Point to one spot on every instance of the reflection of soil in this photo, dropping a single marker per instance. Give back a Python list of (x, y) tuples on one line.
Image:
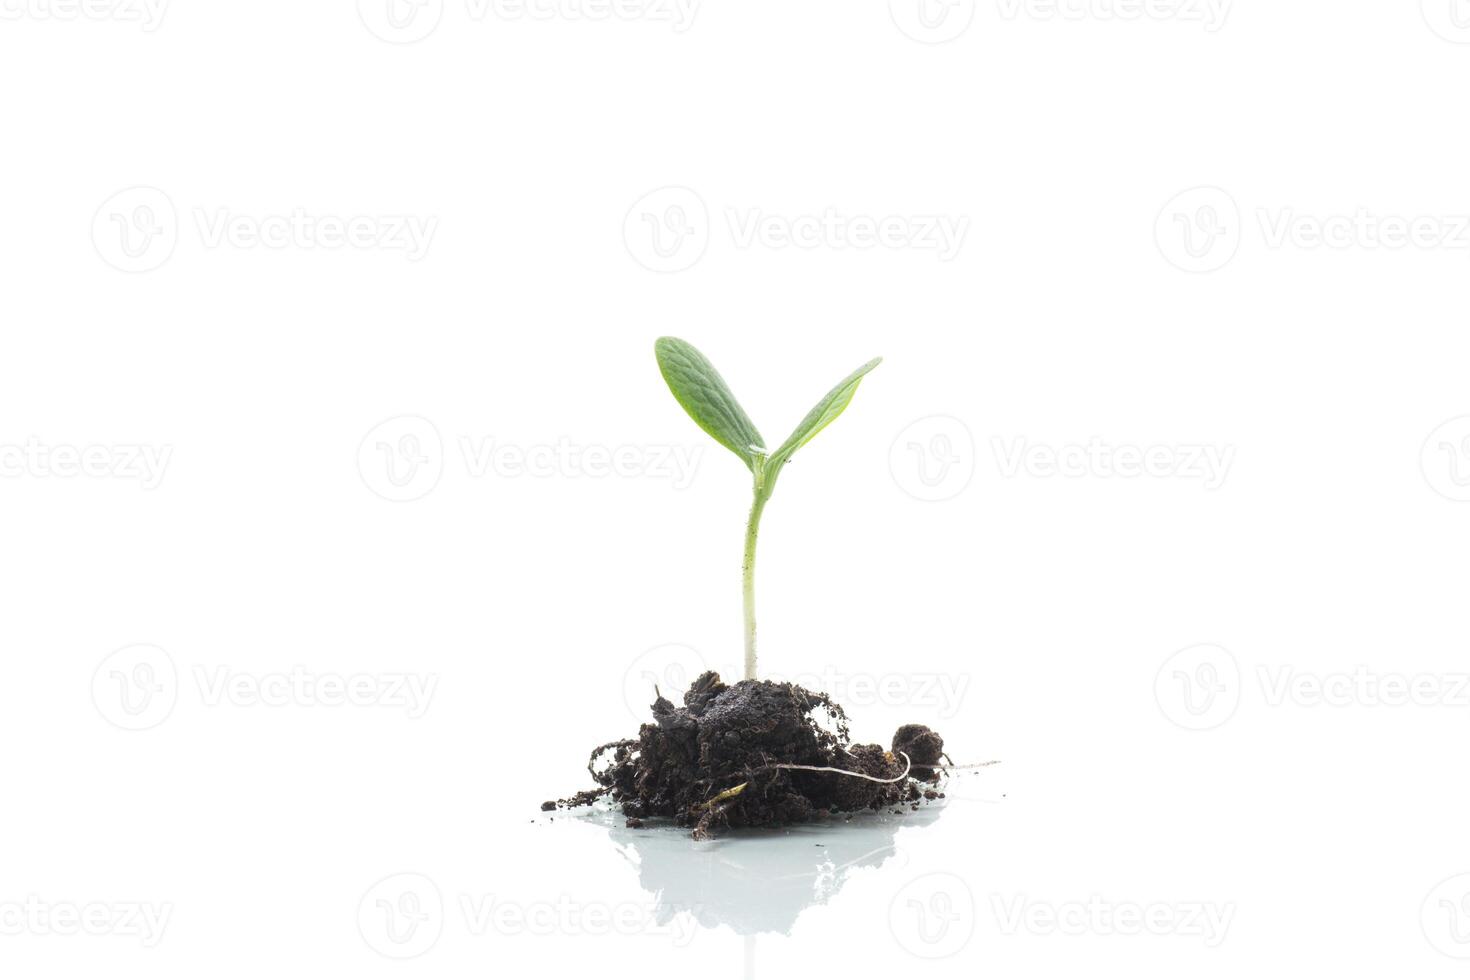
[(756, 881)]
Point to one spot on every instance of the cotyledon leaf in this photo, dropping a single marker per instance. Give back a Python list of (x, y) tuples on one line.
[(823, 413), (698, 387)]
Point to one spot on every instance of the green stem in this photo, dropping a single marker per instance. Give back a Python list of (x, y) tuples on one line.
[(752, 529)]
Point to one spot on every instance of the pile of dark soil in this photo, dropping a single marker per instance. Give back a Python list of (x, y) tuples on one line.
[(719, 761)]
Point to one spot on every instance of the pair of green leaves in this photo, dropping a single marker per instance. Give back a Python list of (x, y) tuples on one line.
[(699, 388)]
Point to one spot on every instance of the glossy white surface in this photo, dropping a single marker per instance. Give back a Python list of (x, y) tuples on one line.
[(1161, 494)]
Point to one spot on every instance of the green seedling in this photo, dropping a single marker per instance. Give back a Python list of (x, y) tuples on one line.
[(699, 388)]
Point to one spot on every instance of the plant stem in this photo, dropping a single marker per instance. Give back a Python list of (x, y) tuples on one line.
[(752, 529)]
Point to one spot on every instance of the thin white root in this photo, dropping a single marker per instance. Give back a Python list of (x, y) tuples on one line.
[(907, 765), (973, 765), (735, 791)]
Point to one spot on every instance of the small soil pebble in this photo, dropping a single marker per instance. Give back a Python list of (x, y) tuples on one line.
[(923, 746)]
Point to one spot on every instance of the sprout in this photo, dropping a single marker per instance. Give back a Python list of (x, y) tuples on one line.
[(698, 387)]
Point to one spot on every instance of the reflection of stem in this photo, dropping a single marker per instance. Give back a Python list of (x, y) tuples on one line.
[(750, 957)]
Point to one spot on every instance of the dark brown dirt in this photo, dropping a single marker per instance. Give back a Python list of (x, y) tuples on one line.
[(712, 763)]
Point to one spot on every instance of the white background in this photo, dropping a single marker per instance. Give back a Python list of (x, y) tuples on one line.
[(1278, 319)]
